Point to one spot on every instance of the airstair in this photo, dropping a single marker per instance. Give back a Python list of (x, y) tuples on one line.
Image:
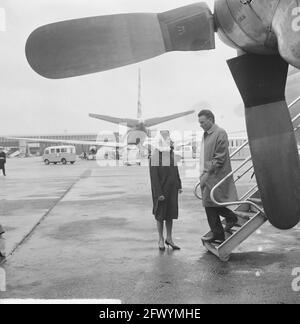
[(249, 208)]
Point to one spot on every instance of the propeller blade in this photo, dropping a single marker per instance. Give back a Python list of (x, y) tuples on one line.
[(261, 81), (88, 45)]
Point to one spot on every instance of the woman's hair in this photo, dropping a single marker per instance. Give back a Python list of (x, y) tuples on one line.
[(207, 113)]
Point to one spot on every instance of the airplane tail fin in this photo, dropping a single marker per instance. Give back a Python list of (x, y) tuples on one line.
[(158, 120), (129, 122)]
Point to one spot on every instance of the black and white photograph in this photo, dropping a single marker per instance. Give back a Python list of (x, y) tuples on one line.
[(149, 154)]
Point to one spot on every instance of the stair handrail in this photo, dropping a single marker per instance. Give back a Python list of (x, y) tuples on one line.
[(294, 119), (238, 168), (232, 203), (246, 194), (240, 148), (234, 153), (230, 156), (293, 102)]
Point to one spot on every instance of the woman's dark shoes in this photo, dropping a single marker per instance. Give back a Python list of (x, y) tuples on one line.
[(161, 246), (173, 246)]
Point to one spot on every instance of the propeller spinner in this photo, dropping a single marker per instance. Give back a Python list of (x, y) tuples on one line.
[(260, 29)]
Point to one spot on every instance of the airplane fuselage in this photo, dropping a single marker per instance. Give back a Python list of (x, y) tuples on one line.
[(137, 135)]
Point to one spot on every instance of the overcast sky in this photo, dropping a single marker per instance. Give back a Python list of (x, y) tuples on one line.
[(174, 82)]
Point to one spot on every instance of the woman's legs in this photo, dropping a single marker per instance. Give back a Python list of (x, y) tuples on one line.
[(169, 240), (160, 229), (169, 226)]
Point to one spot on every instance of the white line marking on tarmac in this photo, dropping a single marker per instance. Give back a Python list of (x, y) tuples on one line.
[(27, 236)]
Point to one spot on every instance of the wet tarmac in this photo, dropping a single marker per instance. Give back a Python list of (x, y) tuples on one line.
[(84, 231)]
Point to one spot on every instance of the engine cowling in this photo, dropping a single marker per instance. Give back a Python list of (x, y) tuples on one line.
[(286, 25), (245, 25)]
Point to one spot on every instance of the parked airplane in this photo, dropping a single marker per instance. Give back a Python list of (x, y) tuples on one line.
[(266, 34), (138, 129)]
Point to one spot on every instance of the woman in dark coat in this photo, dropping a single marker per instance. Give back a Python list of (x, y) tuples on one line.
[(165, 185), (2, 160)]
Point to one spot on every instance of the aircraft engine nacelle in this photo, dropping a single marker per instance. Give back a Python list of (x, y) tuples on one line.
[(286, 25), (245, 25)]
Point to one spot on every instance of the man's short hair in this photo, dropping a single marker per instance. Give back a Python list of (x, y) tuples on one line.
[(207, 113)]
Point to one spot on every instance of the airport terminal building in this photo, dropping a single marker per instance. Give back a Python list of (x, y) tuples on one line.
[(35, 148)]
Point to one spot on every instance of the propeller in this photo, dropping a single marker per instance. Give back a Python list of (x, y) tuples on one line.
[(88, 45)]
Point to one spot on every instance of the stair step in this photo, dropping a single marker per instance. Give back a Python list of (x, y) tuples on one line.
[(223, 250), (231, 231), (256, 201), (244, 207), (241, 235), (245, 215)]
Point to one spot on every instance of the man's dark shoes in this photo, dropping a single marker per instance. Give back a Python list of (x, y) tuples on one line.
[(217, 238), (231, 223)]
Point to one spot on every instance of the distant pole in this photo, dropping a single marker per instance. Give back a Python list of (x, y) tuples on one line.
[(139, 111)]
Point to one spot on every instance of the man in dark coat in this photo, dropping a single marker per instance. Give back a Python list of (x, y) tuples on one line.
[(165, 185), (214, 166), (2, 160)]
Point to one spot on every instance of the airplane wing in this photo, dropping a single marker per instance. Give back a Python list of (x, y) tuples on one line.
[(158, 120), (73, 142), (114, 120)]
